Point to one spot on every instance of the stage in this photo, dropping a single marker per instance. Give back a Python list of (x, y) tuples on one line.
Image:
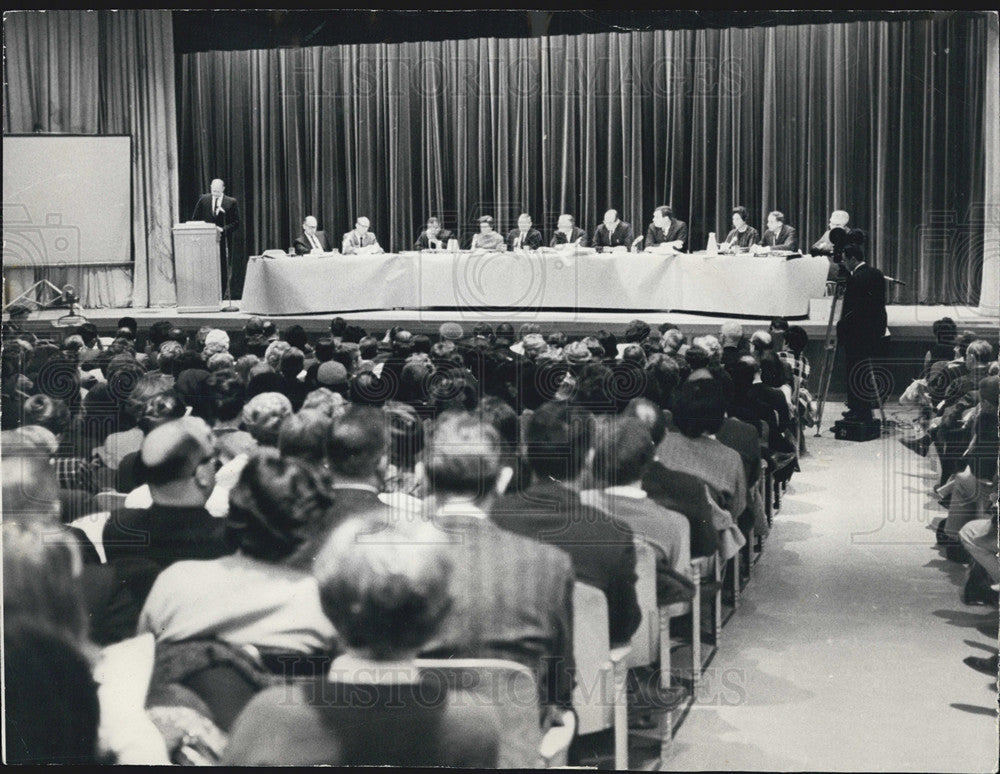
[(906, 323)]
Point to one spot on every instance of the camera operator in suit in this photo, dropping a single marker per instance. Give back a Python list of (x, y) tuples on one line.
[(861, 329)]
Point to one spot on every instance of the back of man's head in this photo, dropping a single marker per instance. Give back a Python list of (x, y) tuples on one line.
[(622, 449), (979, 352), (699, 407), (730, 333), (358, 442), (558, 439), (30, 488), (463, 457), (172, 452), (650, 415)]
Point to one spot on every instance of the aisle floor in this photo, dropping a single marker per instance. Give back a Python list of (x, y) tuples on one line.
[(846, 653)]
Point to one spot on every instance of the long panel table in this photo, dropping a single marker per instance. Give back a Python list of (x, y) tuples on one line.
[(736, 285)]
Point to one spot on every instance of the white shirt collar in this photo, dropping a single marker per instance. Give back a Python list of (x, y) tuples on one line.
[(353, 669), (461, 508), (629, 491)]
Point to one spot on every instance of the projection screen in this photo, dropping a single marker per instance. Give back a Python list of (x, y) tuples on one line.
[(67, 200)]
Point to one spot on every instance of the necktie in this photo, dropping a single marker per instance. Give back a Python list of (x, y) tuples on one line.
[(215, 205), (315, 242)]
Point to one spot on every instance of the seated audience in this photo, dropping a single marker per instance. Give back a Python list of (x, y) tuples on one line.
[(256, 595), (386, 592), (511, 596), (559, 442)]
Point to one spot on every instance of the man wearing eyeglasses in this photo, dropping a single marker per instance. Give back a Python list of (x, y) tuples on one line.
[(178, 463)]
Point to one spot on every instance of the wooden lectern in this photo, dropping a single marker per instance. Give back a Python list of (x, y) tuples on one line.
[(196, 267)]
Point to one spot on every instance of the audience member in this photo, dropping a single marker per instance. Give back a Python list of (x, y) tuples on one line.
[(386, 592)]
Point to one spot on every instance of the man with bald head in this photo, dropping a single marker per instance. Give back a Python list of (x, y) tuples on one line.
[(361, 239), (612, 233), (311, 241), (178, 463), (823, 245), (222, 210)]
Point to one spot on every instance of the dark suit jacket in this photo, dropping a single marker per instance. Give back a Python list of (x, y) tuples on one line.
[(686, 494), (602, 548), (512, 598), (744, 439), (559, 238), (532, 240), (677, 230), (863, 319), (164, 535), (229, 218), (303, 246), (622, 236), (423, 241), (785, 239)]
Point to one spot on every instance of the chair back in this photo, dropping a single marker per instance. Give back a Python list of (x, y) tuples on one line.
[(108, 501), (645, 641), (593, 694), (510, 689)]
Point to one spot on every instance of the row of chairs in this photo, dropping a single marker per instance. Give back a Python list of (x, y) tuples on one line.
[(653, 643)]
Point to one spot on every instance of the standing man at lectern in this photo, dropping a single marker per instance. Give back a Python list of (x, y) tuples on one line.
[(224, 212)]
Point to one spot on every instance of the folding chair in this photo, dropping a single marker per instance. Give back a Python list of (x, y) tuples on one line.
[(599, 697), (509, 688)]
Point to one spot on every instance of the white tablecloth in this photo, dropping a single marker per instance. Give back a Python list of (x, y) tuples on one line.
[(737, 285)]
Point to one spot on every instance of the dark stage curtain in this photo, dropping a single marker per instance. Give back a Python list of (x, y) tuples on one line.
[(883, 119), (104, 72)]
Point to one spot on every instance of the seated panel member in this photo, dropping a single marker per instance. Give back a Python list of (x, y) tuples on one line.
[(613, 233), (524, 237), (487, 238), (823, 245), (743, 236), (567, 233), (433, 237), (779, 235), (666, 229), (311, 240), (361, 240)]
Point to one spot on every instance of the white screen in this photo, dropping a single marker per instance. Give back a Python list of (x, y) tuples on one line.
[(66, 200)]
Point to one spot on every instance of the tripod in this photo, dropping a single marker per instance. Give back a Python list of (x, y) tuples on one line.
[(830, 357)]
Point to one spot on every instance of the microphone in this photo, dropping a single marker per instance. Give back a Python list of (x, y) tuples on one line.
[(636, 242)]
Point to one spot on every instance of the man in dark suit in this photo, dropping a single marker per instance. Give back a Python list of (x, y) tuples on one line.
[(612, 233), (567, 233), (511, 596), (524, 237), (666, 229), (559, 444), (779, 235), (215, 207), (311, 240), (860, 329), (433, 237)]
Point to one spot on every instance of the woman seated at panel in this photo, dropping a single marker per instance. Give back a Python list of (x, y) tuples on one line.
[(743, 234), (487, 238)]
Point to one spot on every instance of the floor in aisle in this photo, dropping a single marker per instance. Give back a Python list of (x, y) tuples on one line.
[(846, 652)]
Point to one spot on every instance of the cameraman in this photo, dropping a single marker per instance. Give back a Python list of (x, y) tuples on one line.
[(860, 329)]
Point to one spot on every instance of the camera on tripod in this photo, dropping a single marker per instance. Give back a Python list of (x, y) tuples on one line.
[(840, 238)]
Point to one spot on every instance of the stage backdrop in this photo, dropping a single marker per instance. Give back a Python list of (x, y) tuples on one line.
[(884, 119), (99, 73)]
